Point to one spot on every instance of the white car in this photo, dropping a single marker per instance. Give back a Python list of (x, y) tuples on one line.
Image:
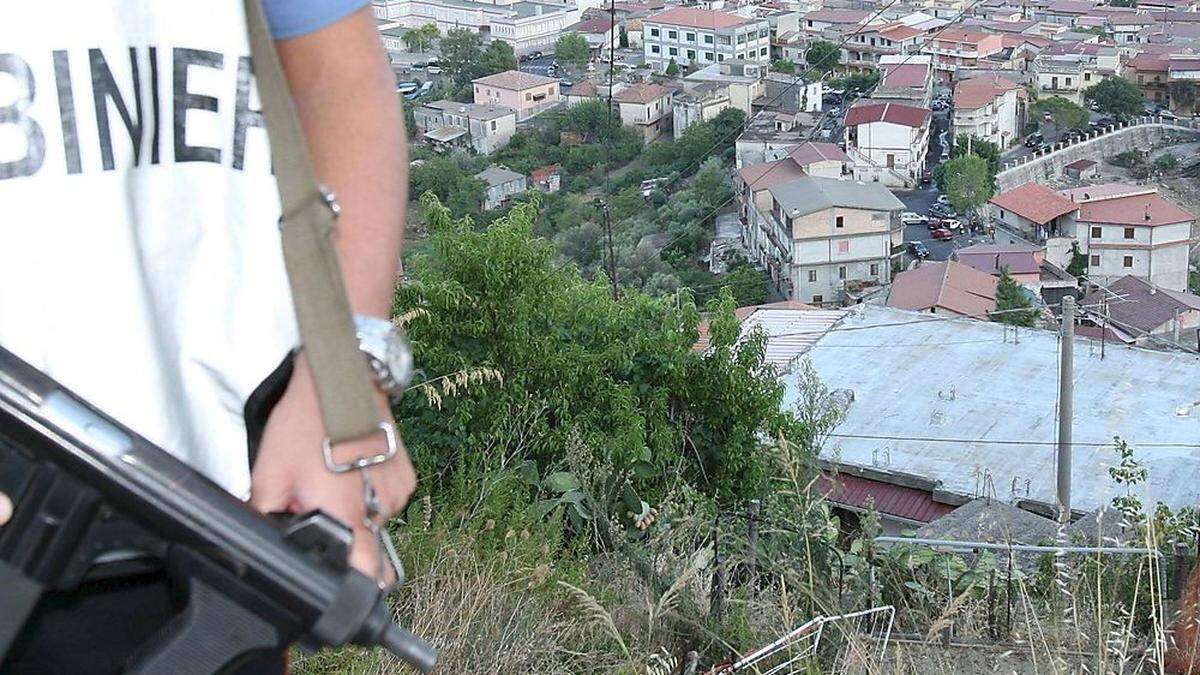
[(952, 224), (434, 70), (910, 218), (943, 200)]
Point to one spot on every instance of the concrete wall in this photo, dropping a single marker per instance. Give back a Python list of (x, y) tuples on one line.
[(1142, 134)]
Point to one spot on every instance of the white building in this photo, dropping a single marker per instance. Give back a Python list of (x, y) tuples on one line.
[(888, 142), (483, 127), (743, 80), (699, 36), (989, 107), (524, 25), (698, 102)]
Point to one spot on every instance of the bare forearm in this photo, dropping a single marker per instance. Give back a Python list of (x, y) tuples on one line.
[(345, 94)]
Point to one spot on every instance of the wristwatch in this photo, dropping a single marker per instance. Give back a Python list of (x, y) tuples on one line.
[(387, 352)]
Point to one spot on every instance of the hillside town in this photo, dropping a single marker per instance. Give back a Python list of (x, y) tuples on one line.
[(969, 225)]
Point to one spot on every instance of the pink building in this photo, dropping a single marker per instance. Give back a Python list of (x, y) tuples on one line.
[(526, 93)]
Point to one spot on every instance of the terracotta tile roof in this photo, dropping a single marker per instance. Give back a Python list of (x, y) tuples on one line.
[(763, 176), (1071, 7), (960, 35), (900, 32), (811, 152), (1080, 164), (904, 75), (1148, 62), (697, 18), (544, 172), (1034, 202), (641, 93), (945, 285), (586, 88), (596, 24), (1143, 306), (514, 79), (992, 262), (1146, 210), (893, 500), (1089, 193), (980, 91), (895, 113)]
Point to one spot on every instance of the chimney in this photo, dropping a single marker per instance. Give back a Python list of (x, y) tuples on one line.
[(1147, 211)]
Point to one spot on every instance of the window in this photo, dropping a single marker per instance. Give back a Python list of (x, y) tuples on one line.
[(764, 33), (654, 49), (741, 38), (817, 299), (709, 56), (654, 32), (493, 125), (528, 96), (1087, 77), (874, 269), (812, 276), (1129, 233), (672, 51), (840, 220), (708, 39), (762, 51), (1127, 261), (723, 40), (842, 272), (1068, 81), (672, 35), (691, 54), (1095, 261), (691, 37), (720, 57), (1096, 231), (843, 247)]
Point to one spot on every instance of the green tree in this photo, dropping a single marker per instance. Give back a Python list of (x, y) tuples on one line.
[(1012, 305), (1182, 94), (747, 285), (461, 49), (420, 39), (497, 58), (968, 182), (623, 38), (822, 56), (1166, 163), (672, 68), (727, 125), (438, 175), (466, 199), (783, 66), (978, 147), (561, 367), (1063, 112), (857, 83), (1116, 96), (1078, 265), (572, 48)]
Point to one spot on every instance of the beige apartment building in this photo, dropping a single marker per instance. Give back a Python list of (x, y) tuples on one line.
[(526, 93)]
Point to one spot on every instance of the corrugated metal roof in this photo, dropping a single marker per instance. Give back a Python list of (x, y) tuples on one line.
[(889, 499), (791, 331)]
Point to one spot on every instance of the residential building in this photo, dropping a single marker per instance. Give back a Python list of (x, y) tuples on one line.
[(824, 160), (502, 185), (990, 108), (960, 369), (838, 233), (524, 25), (786, 92), (1067, 70), (1082, 169), (646, 108), (867, 45), (698, 102), (766, 244), (526, 93), (768, 136), (888, 142), (546, 179), (1131, 229), (905, 79), (600, 32), (955, 48), (1035, 212), (1064, 12), (1149, 71), (1138, 311), (832, 24), (743, 81), (1022, 261), (1126, 26), (1184, 69), (483, 127), (699, 36), (946, 287)]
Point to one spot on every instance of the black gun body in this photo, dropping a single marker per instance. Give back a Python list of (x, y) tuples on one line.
[(59, 456)]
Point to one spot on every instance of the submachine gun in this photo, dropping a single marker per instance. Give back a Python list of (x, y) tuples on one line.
[(87, 490)]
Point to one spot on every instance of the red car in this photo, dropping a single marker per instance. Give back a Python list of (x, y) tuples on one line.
[(942, 234)]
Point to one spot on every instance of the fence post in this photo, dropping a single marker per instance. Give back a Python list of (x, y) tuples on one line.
[(752, 516), (717, 593), (1180, 570)]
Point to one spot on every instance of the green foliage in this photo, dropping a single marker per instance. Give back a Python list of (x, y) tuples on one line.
[(979, 148), (1129, 159), (623, 37), (572, 48), (1079, 262), (822, 56), (727, 125), (857, 83), (1182, 94), (1194, 281), (783, 66), (1063, 112), (618, 379), (1123, 3), (747, 285), (672, 68), (1166, 162), (969, 182), (1116, 96), (497, 58), (420, 39), (461, 49), (1012, 306)]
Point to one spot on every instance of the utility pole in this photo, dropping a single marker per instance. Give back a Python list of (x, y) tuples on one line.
[(1066, 406), (612, 258)]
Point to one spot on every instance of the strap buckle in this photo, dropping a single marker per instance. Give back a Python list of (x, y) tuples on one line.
[(360, 463), (324, 196)]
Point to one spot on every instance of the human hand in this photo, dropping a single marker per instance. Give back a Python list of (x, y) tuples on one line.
[(290, 473)]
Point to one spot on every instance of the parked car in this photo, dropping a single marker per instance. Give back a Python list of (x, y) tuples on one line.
[(918, 249), (1033, 140), (926, 177), (407, 88), (942, 234), (951, 224), (943, 200), (912, 218), (434, 70)]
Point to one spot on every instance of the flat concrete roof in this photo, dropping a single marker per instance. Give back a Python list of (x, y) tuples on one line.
[(957, 401)]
